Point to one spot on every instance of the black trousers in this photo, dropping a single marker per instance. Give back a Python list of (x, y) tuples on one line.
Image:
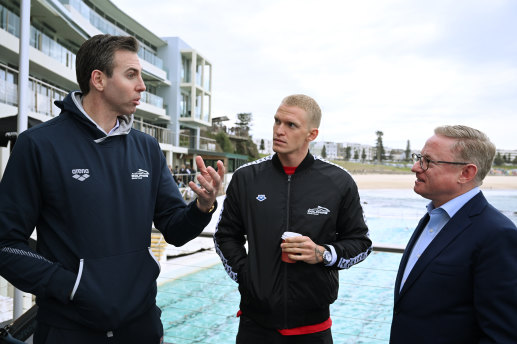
[(147, 329), (252, 333)]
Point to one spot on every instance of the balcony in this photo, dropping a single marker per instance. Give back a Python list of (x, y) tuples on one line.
[(208, 144), (41, 95), (162, 135), (105, 26), (10, 22), (152, 99)]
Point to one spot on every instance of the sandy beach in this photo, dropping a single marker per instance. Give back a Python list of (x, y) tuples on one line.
[(402, 181)]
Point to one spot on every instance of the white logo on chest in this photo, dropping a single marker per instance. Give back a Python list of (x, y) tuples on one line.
[(81, 174), (318, 211)]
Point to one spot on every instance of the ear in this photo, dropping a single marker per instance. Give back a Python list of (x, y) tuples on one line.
[(468, 173), (97, 80), (313, 133)]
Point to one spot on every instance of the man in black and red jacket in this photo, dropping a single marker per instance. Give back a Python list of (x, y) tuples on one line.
[(290, 191)]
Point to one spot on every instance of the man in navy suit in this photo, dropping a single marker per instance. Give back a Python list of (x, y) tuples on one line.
[(457, 280)]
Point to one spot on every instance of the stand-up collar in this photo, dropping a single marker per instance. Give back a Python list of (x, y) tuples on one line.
[(306, 163)]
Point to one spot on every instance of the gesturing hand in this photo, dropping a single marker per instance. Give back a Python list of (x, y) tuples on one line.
[(210, 182)]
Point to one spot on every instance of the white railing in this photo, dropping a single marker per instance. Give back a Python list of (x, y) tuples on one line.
[(41, 94)]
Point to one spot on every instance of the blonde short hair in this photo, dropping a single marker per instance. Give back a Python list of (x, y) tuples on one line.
[(307, 104), (471, 146)]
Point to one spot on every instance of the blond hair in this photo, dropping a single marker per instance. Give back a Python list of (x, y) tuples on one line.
[(307, 104), (471, 146)]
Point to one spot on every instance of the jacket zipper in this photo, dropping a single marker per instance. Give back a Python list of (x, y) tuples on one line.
[(285, 265)]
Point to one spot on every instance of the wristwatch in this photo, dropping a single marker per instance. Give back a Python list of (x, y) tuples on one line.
[(327, 257)]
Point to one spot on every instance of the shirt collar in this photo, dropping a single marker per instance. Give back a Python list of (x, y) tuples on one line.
[(455, 204)]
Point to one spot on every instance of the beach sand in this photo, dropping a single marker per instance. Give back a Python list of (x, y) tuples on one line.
[(403, 181)]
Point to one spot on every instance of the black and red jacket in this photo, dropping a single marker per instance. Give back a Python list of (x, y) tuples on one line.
[(320, 200)]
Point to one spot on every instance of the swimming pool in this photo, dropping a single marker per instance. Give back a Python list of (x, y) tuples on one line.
[(200, 307)]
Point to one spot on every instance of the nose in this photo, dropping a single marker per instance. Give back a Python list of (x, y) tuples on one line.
[(278, 130), (141, 85), (416, 167)]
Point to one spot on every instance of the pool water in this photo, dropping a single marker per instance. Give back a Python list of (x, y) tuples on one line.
[(201, 307)]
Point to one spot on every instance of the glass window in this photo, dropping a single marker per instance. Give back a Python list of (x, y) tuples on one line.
[(185, 69), (206, 77), (199, 71), (13, 24), (206, 108)]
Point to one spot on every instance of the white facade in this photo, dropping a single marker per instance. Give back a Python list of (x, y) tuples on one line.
[(331, 149), (268, 146)]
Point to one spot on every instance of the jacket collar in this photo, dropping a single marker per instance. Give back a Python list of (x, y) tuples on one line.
[(456, 225), (72, 106), (306, 163)]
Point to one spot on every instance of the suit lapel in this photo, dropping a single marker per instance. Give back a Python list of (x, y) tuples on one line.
[(456, 225), (407, 252)]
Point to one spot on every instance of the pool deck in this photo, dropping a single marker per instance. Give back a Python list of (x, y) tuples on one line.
[(197, 254)]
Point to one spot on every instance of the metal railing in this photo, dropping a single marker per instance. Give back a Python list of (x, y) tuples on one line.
[(162, 135), (41, 94), (106, 26), (206, 143), (10, 22), (152, 99)]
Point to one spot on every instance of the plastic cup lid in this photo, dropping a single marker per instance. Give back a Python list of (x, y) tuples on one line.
[(290, 235)]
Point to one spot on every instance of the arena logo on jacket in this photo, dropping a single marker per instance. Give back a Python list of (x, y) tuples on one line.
[(81, 174), (319, 210)]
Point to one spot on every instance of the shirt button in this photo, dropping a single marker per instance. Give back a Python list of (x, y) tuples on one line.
[(431, 230)]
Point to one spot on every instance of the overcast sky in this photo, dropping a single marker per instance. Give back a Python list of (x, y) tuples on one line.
[(399, 66)]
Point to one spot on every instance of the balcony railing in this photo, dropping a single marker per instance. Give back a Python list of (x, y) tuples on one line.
[(10, 22), (162, 135), (152, 99), (107, 27), (41, 95), (206, 143)]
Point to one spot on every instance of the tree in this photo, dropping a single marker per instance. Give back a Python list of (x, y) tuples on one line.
[(514, 160), (356, 154), (348, 153), (379, 147), (324, 152), (262, 147), (244, 120), (363, 155), (224, 142), (248, 148), (408, 152), (498, 161)]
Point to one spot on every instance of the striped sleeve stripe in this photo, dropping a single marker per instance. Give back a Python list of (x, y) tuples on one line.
[(11, 250)]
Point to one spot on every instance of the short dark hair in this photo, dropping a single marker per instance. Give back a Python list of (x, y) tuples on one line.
[(97, 53)]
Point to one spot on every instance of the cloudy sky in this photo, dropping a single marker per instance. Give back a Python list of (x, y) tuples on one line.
[(399, 66)]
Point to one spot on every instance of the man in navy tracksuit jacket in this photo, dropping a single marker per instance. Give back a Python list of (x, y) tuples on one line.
[(93, 187)]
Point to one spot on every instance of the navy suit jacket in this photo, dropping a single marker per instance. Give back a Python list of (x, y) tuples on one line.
[(463, 288)]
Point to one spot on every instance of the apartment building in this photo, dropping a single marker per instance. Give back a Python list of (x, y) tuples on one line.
[(331, 149)]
